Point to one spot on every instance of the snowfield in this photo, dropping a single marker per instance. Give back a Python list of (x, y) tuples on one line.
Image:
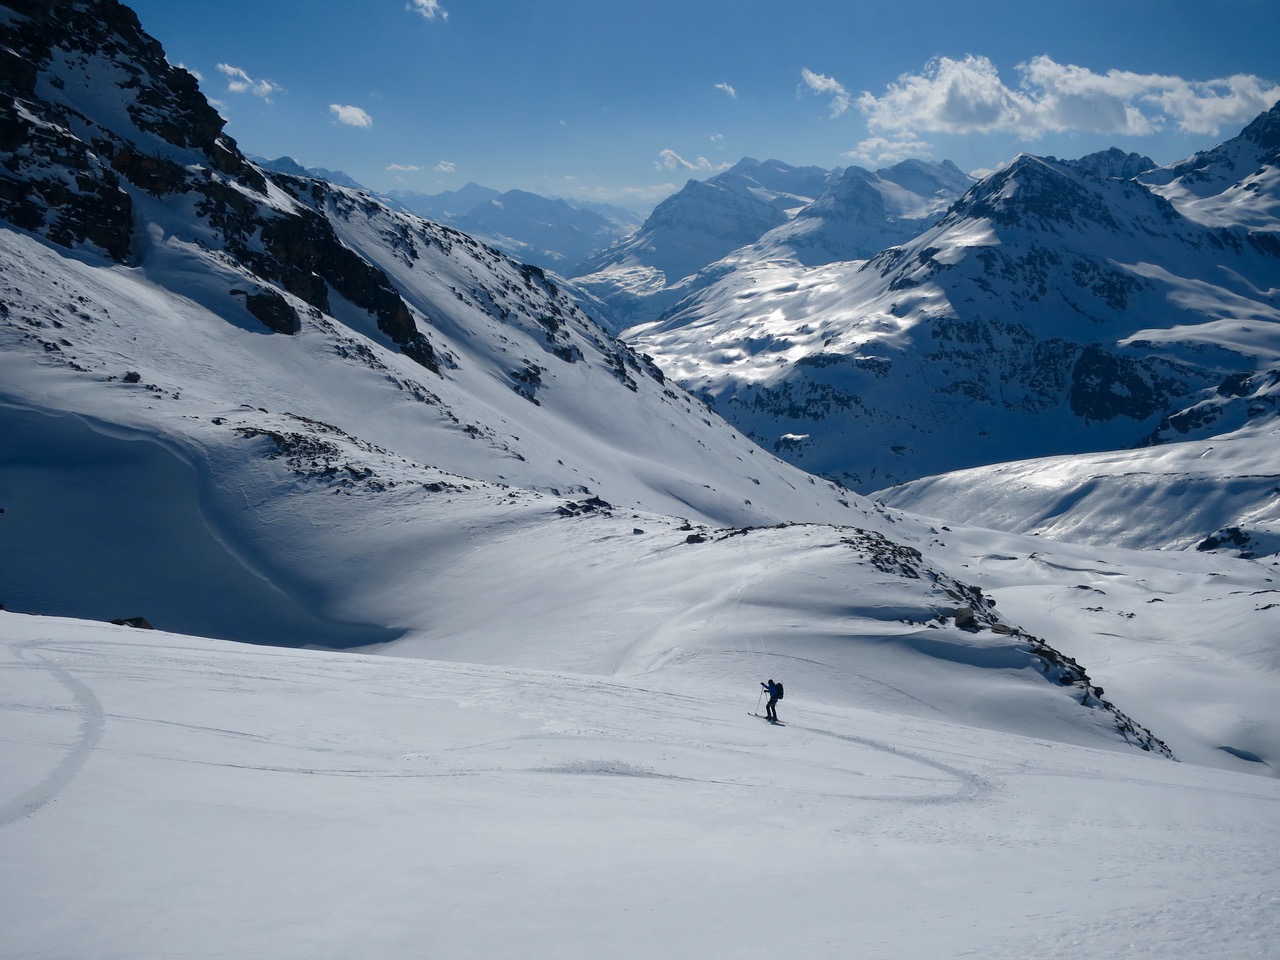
[(167, 796)]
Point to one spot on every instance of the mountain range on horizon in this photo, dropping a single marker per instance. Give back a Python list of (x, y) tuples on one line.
[(1058, 308), (761, 210), (549, 232)]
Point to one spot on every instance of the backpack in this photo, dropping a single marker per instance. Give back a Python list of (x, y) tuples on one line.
[(778, 687)]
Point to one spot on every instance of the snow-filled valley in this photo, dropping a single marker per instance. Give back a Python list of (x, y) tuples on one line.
[(361, 595)]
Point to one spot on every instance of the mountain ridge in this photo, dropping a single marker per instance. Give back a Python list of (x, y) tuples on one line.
[(1081, 312), (759, 210)]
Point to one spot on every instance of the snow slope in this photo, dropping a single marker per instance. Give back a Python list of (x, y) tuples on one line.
[(174, 797), (1206, 494)]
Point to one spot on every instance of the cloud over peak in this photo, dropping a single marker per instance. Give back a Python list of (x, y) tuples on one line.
[(827, 87), (969, 96), (670, 160), (238, 81)]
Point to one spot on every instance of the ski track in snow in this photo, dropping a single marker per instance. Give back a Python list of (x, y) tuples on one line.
[(591, 750), (92, 723)]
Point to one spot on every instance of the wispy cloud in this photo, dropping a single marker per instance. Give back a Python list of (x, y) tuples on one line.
[(238, 81), (671, 160), (350, 116), (430, 9), (403, 168), (827, 87), (969, 96), (445, 166), (727, 89)]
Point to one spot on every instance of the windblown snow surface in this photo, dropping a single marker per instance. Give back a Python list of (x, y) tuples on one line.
[(167, 796)]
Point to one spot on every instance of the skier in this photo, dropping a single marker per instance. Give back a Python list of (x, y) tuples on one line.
[(775, 691)]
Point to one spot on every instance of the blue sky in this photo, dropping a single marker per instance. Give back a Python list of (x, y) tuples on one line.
[(625, 101)]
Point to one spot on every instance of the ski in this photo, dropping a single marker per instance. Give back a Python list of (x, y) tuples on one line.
[(776, 723)]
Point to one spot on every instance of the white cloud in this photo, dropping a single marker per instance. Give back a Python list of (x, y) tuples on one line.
[(670, 160), (827, 87), (238, 81), (883, 151), (969, 96), (403, 168), (1208, 106), (950, 96), (717, 137), (445, 166), (727, 89), (430, 9), (350, 116)]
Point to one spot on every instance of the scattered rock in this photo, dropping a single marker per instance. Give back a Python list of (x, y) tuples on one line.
[(141, 623)]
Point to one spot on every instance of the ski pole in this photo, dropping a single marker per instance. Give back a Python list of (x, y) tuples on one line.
[(760, 700)]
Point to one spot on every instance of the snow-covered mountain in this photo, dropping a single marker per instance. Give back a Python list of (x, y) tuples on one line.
[(1234, 183), (640, 276), (863, 212), (290, 319), (554, 234), (293, 168), (763, 211), (365, 426), (1050, 311), (443, 207)]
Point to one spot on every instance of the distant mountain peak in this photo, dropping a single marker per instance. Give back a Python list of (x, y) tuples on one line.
[(1113, 162), (294, 168), (1213, 173), (1264, 130)]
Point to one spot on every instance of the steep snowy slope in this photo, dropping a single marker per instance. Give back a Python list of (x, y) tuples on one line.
[(1050, 311), (158, 286)]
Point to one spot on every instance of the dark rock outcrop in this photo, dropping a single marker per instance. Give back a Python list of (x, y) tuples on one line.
[(70, 166)]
